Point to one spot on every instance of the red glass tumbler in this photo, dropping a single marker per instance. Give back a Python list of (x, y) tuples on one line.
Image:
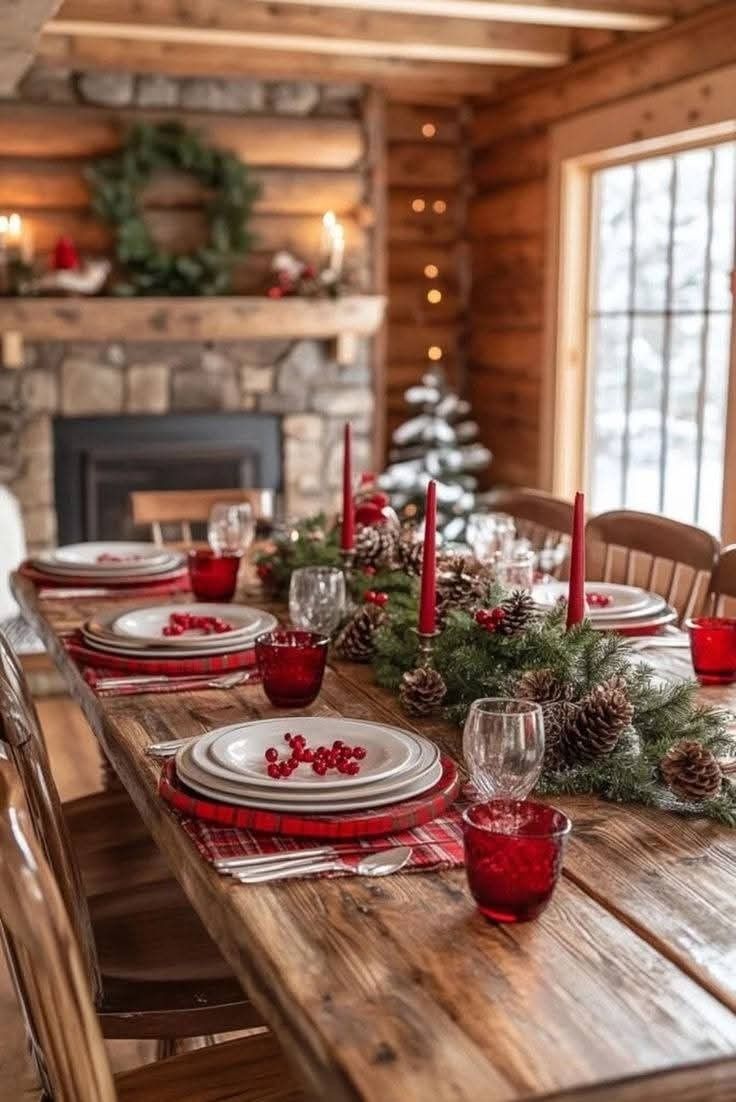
[(513, 856), (713, 648), (292, 665), (213, 576)]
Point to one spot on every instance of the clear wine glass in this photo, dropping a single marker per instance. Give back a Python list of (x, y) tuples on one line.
[(515, 571), (231, 529), (317, 598), (490, 533), (503, 745)]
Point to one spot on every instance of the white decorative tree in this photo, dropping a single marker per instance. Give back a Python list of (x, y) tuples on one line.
[(439, 442)]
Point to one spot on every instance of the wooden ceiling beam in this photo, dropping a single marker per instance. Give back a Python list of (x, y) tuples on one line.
[(20, 24), (177, 59), (269, 26)]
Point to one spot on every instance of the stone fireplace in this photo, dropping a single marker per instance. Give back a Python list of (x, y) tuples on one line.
[(296, 383)]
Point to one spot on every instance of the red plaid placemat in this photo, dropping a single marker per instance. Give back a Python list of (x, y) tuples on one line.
[(174, 667), (440, 843), (350, 825)]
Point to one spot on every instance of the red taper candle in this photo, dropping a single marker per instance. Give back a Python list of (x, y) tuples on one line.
[(576, 592), (427, 601), (347, 539)]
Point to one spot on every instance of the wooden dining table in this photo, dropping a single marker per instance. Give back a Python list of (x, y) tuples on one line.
[(398, 990)]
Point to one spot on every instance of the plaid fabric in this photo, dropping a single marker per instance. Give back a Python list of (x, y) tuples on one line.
[(175, 667), (377, 823), (177, 582)]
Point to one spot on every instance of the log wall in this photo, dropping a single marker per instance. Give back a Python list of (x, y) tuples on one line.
[(509, 221), (427, 167)]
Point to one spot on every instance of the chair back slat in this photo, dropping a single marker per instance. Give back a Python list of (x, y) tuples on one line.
[(44, 958), (181, 508), (721, 597), (20, 732), (541, 518), (673, 559)]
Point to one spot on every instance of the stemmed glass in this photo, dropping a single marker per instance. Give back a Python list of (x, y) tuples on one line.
[(317, 598), (231, 529), (490, 533), (503, 745), (515, 571)]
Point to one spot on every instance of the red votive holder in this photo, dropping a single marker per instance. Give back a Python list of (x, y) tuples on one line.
[(513, 856), (292, 665), (213, 576), (713, 648)]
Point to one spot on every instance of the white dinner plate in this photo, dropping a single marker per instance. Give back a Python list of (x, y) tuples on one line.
[(126, 650), (625, 599), (145, 625), (328, 803), (643, 624), (124, 554), (423, 758), (389, 750), (158, 572)]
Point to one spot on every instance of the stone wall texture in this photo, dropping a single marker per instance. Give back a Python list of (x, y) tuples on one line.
[(297, 379)]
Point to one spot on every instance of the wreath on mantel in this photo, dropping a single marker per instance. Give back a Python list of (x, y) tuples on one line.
[(117, 182)]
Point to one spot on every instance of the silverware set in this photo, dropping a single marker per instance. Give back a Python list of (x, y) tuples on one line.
[(224, 681), (263, 869)]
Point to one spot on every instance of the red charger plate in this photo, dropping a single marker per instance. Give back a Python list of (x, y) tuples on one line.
[(353, 824)]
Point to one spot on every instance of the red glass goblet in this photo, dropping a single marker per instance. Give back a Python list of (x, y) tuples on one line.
[(213, 577), (513, 856), (292, 665), (713, 648)]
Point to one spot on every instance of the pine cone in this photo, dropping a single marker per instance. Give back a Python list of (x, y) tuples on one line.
[(408, 553), (374, 545), (559, 717), (691, 770), (604, 715), (461, 585), (357, 640), (422, 691), (542, 686), (520, 611)]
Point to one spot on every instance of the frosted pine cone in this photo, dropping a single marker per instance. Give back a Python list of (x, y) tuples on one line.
[(461, 585), (408, 554), (357, 640), (691, 770), (604, 715), (422, 691), (520, 611), (374, 545)]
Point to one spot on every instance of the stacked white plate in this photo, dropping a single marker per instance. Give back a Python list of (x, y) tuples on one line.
[(625, 608), (140, 631), (110, 561), (229, 765)]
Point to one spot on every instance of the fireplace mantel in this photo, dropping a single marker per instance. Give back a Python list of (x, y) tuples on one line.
[(188, 319)]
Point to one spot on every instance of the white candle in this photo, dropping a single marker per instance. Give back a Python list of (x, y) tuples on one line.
[(329, 221), (338, 250)]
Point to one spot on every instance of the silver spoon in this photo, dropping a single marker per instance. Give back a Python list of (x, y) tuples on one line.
[(374, 864)]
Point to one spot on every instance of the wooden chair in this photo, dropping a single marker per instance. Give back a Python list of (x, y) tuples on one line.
[(666, 556), (153, 969), (721, 600), (51, 979), (183, 508), (544, 520)]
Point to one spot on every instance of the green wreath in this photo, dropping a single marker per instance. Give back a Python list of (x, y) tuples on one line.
[(117, 182)]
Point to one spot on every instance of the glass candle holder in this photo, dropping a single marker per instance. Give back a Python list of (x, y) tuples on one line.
[(513, 856), (713, 648), (515, 571), (292, 665), (213, 577)]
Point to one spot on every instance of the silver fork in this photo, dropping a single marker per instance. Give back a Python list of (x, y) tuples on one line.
[(224, 681)]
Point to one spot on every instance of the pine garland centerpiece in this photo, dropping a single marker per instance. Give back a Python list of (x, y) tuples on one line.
[(117, 183)]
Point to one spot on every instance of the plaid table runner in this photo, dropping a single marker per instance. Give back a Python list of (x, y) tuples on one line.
[(441, 843)]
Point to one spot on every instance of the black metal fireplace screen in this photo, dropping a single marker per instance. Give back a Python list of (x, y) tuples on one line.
[(100, 460)]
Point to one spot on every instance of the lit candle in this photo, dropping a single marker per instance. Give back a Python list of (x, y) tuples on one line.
[(338, 250), (347, 540), (576, 591), (329, 221), (14, 237), (427, 601)]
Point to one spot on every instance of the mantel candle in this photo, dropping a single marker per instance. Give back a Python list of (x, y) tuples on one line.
[(576, 591), (427, 605), (347, 539)]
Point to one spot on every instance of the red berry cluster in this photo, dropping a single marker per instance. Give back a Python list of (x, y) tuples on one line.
[(375, 597), (598, 600), (179, 622), (339, 756), (490, 618)]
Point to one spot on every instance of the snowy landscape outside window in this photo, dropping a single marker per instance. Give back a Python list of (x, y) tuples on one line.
[(659, 333)]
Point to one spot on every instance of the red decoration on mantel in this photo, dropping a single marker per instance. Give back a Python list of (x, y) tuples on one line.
[(66, 257)]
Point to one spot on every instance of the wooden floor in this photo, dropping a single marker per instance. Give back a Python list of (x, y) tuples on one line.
[(76, 763)]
